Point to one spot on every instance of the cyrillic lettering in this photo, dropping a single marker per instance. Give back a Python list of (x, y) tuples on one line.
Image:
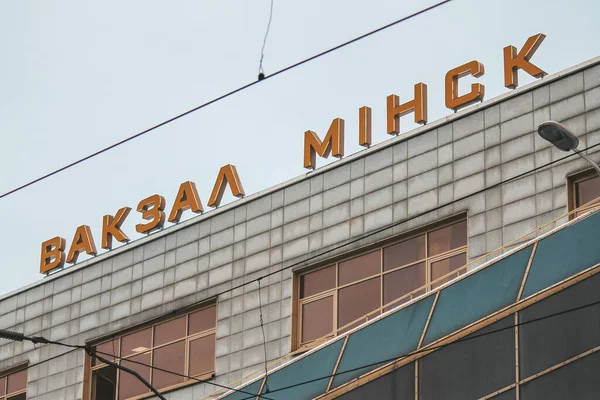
[(111, 227), (332, 144), (453, 100), (152, 210), (227, 175), (187, 199), (82, 241), (513, 61), (53, 254), (395, 110)]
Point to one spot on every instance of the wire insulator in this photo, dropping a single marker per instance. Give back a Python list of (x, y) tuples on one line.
[(11, 335)]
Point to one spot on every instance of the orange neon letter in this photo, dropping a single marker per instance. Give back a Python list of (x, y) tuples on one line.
[(111, 227), (187, 199), (227, 175), (152, 210), (513, 61), (53, 254), (453, 100), (364, 126), (82, 241), (395, 110), (333, 143)]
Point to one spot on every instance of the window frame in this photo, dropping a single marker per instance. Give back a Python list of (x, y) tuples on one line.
[(11, 371), (119, 335), (297, 346), (572, 181)]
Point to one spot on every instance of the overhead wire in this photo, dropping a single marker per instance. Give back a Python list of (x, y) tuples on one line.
[(519, 176), (261, 71), (434, 348), (224, 96), (543, 166), (389, 360), (383, 229), (17, 336), (262, 327)]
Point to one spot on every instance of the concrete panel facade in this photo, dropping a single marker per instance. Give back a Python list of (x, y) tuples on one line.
[(463, 157)]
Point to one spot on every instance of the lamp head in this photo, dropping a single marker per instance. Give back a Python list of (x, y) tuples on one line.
[(559, 135)]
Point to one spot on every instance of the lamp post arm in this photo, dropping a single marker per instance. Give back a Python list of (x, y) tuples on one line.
[(582, 155)]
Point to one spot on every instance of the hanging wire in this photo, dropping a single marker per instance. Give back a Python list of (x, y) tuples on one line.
[(261, 71), (262, 327), (224, 96)]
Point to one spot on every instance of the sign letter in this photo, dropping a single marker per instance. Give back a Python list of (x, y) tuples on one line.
[(453, 100), (152, 210), (111, 227), (514, 61), (53, 254), (395, 110), (333, 143), (227, 175), (364, 126), (82, 241), (187, 199)]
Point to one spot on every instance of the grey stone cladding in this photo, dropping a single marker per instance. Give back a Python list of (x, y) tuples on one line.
[(431, 167)]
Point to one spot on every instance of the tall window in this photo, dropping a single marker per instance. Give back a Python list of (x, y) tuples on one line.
[(13, 386), (584, 188), (332, 297), (184, 345)]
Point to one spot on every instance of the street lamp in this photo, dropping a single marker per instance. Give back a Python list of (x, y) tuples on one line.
[(563, 139)]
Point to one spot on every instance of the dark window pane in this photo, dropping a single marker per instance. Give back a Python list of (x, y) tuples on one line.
[(442, 267), (106, 348), (171, 358), (137, 342), (129, 385), (447, 238), (317, 319), (202, 355), (169, 331), (403, 253), (587, 190), (398, 283), (104, 383), (359, 268), (317, 281), (357, 300), (2, 386), (203, 320), (21, 396), (16, 382)]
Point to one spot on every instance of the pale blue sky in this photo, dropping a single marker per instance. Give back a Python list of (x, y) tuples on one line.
[(77, 76)]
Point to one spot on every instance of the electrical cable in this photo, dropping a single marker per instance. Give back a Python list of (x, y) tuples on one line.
[(176, 373), (430, 349), (423, 350), (75, 347), (262, 327), (228, 94), (261, 71), (385, 228), (128, 370)]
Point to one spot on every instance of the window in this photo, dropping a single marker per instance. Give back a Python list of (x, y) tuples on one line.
[(583, 188), (185, 345), (13, 386), (331, 298)]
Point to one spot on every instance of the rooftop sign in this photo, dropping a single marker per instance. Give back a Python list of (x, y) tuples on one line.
[(152, 208)]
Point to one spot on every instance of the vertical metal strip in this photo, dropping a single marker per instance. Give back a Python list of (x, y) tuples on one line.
[(337, 363), (428, 319), (262, 386), (517, 377), (527, 271), (417, 379)]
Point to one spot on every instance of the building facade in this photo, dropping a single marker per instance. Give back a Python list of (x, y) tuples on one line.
[(333, 248)]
